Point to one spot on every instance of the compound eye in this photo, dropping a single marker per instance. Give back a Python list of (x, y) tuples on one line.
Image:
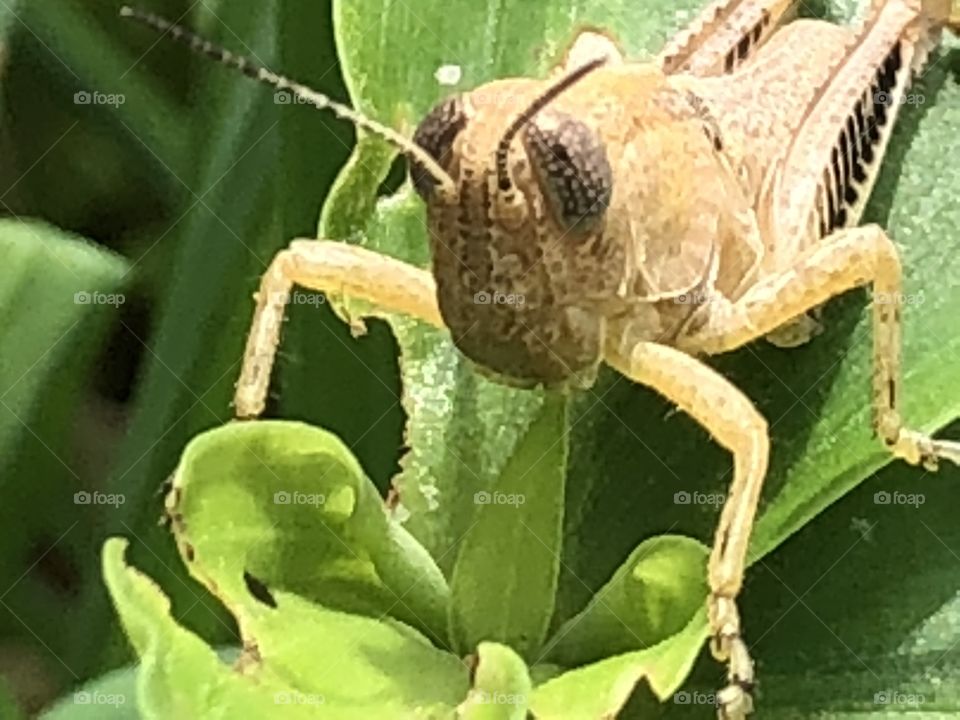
[(571, 166), (436, 134)]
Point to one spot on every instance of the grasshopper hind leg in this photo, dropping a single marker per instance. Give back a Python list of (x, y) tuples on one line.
[(724, 36), (846, 259)]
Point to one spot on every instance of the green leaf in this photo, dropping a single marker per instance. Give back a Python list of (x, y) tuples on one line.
[(378, 667), (170, 654), (652, 596), (7, 17), (298, 655), (67, 32), (8, 705), (501, 688), (59, 294), (862, 602), (288, 505), (55, 287), (600, 690), (505, 577)]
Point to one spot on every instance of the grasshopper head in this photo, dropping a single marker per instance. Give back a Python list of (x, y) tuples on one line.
[(516, 214), (523, 271)]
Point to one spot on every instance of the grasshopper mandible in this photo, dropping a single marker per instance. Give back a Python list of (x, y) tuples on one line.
[(732, 171)]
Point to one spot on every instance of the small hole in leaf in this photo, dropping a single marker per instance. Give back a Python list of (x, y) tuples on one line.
[(258, 590), (395, 178)]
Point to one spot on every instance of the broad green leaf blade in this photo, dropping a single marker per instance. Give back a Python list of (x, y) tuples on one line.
[(180, 676), (301, 656), (903, 688), (56, 289), (8, 17), (288, 505), (505, 577), (501, 688), (59, 295), (600, 690), (368, 668), (485, 43), (67, 31), (10, 709), (651, 597), (862, 602)]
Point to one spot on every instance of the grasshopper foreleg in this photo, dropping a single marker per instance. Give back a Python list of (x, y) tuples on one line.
[(329, 267), (731, 418)]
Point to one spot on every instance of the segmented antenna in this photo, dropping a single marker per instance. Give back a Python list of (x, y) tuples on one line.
[(563, 84), (261, 74)]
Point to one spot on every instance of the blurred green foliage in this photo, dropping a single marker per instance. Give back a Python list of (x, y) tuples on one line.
[(195, 180)]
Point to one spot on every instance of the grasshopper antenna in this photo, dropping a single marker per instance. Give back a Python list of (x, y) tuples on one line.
[(261, 74), (562, 85)]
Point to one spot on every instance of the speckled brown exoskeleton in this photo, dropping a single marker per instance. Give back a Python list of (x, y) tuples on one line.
[(642, 215)]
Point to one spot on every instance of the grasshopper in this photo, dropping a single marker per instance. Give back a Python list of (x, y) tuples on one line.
[(648, 214)]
